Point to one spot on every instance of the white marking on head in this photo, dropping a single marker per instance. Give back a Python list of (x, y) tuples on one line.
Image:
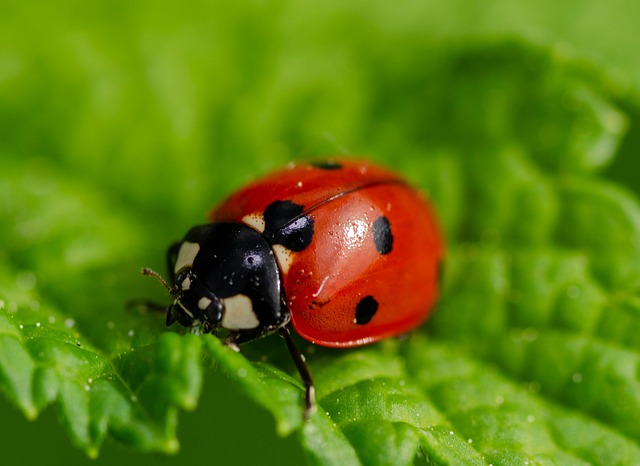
[(203, 303), (186, 255), (186, 284), (255, 221), (238, 313), (284, 257)]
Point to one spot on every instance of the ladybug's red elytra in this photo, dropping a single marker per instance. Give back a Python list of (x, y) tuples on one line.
[(345, 251)]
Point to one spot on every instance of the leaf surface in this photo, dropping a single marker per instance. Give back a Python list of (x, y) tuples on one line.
[(532, 354)]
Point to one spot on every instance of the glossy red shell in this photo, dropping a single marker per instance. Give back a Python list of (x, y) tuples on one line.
[(325, 282)]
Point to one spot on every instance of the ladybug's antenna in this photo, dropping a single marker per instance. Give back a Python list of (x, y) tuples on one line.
[(152, 273)]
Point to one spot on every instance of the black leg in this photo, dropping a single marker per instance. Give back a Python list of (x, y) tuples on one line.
[(303, 370), (145, 305), (231, 342)]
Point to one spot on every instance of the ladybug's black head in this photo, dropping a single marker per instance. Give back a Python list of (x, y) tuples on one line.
[(194, 305), (225, 275)]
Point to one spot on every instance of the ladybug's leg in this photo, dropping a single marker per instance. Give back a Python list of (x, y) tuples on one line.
[(303, 370), (146, 305), (231, 342)]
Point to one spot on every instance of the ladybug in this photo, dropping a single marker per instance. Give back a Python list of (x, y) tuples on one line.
[(345, 251)]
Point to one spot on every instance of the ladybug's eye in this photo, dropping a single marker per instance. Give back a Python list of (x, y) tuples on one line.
[(212, 312), (184, 280)]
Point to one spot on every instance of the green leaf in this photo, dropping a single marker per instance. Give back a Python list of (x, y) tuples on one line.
[(112, 150), (132, 396)]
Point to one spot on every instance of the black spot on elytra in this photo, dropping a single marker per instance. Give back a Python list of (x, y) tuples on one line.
[(326, 165), (366, 309), (382, 235), (286, 224)]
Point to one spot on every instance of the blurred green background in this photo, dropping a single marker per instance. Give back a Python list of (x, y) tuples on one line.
[(177, 96)]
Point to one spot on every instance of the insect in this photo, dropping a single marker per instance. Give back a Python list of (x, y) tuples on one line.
[(345, 251)]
